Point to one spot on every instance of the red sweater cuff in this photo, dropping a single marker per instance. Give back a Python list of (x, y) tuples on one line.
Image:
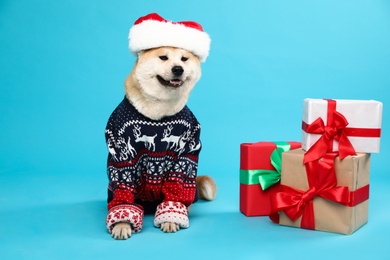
[(169, 211), (125, 213)]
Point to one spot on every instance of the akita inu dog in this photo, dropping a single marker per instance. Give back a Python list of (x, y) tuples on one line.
[(153, 137)]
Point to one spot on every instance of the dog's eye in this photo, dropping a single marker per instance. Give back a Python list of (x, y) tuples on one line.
[(163, 57), (184, 58)]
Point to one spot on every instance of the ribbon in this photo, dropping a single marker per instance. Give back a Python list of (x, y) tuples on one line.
[(333, 130), (267, 178), (249, 177), (322, 182)]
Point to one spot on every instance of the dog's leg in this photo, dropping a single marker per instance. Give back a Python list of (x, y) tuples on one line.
[(169, 227), (121, 230)]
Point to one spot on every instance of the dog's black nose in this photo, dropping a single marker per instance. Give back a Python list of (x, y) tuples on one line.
[(177, 70)]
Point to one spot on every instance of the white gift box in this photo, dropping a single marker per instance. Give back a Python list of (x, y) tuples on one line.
[(364, 122)]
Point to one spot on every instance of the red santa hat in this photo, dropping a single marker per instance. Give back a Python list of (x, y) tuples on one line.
[(152, 31)]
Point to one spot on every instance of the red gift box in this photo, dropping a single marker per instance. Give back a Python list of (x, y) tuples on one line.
[(255, 160)]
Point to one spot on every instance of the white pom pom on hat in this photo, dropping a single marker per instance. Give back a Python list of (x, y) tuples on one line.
[(152, 31)]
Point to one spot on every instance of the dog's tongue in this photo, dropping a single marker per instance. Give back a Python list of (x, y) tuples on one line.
[(175, 81)]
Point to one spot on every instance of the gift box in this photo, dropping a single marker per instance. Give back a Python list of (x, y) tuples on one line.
[(344, 126), (260, 175), (328, 194)]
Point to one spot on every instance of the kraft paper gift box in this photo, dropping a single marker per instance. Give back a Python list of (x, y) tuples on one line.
[(344, 126), (258, 176), (336, 200)]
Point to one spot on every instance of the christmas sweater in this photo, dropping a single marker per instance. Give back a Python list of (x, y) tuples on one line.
[(151, 161)]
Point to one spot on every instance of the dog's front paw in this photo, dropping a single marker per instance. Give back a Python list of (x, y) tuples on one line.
[(169, 227), (121, 230)]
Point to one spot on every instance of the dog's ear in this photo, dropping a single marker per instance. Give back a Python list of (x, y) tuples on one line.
[(139, 54), (142, 53)]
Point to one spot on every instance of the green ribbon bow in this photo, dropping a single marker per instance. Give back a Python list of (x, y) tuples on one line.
[(267, 178)]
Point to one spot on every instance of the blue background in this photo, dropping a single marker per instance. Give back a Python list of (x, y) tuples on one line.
[(62, 68)]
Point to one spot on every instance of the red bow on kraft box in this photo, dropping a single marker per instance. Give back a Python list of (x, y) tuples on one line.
[(260, 165), (328, 194), (351, 126)]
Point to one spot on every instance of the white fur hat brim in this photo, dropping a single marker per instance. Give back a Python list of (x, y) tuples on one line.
[(153, 31)]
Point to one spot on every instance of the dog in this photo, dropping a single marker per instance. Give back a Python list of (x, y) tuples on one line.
[(153, 143)]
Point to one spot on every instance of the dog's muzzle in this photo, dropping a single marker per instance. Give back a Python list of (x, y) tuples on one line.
[(175, 82)]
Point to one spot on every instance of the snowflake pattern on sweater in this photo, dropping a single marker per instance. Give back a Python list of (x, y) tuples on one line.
[(150, 160)]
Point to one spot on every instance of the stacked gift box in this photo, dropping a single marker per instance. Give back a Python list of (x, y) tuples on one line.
[(324, 185)]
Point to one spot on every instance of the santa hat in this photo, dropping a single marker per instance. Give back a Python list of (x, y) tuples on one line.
[(152, 31)]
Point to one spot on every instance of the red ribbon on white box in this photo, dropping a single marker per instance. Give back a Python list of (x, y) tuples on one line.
[(335, 129)]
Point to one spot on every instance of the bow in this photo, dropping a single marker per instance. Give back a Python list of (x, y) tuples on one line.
[(267, 178), (322, 183), (334, 130)]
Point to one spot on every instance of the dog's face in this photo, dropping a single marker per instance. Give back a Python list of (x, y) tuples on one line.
[(167, 73)]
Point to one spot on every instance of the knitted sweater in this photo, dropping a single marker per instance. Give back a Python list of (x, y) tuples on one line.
[(148, 161)]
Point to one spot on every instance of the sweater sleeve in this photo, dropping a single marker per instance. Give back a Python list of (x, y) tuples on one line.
[(179, 189), (121, 206)]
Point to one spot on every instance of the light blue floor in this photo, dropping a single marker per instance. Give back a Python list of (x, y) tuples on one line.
[(62, 67), (61, 216)]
